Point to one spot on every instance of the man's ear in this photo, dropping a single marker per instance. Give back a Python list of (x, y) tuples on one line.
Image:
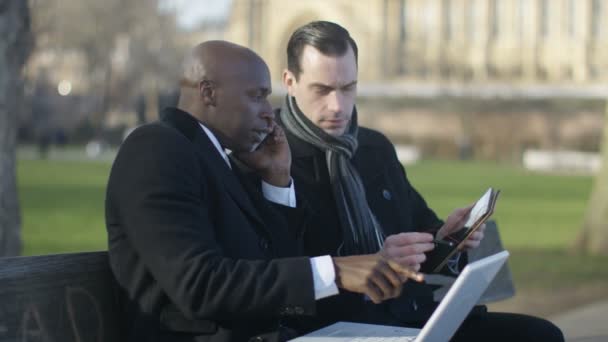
[(207, 92), (289, 81)]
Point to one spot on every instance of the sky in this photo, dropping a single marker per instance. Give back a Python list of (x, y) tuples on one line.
[(191, 13)]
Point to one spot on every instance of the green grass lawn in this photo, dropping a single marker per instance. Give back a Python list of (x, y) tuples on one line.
[(533, 210), (538, 215), (62, 205)]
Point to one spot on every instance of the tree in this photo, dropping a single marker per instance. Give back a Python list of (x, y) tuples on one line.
[(15, 46), (127, 46), (593, 237)]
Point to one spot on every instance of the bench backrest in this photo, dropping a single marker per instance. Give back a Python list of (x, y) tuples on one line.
[(73, 297), (502, 286), (59, 298)]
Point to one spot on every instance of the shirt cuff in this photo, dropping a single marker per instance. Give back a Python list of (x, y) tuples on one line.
[(280, 195), (323, 277)]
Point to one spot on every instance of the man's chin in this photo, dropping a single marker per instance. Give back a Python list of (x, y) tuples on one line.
[(335, 132), (250, 147), (245, 148)]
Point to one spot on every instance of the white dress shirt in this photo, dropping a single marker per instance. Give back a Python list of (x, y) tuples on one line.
[(323, 272)]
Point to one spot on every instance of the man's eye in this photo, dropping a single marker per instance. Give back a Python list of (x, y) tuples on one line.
[(323, 91), (259, 96)]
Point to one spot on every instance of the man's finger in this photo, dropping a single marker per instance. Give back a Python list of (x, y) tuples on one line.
[(418, 248), (463, 212), (476, 236), (408, 238), (278, 134), (473, 241), (470, 244), (373, 292), (460, 217), (391, 275), (414, 275), (381, 281), (396, 252), (411, 260), (461, 220), (404, 271)]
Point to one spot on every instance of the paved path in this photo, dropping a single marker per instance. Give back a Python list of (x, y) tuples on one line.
[(585, 324)]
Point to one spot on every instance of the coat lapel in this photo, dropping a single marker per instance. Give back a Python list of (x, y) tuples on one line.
[(233, 186), (190, 127)]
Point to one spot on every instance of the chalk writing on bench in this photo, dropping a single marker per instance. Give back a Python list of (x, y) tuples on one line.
[(71, 293), (31, 325), (76, 317)]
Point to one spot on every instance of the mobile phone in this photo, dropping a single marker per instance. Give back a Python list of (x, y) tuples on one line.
[(449, 245), (257, 147)]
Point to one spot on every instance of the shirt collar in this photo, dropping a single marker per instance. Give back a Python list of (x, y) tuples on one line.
[(215, 143)]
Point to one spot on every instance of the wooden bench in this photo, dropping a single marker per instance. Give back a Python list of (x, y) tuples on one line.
[(59, 298), (73, 297), (502, 286)]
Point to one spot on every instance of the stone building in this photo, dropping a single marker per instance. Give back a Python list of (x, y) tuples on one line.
[(484, 49), (527, 41)]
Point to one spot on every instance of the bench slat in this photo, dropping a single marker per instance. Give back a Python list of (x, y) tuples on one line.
[(63, 297)]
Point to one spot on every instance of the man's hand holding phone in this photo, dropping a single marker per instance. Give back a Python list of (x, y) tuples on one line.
[(462, 230), (271, 159), (454, 223)]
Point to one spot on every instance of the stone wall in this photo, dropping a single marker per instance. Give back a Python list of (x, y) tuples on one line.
[(486, 129)]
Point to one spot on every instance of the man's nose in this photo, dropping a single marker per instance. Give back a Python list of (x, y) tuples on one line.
[(267, 113), (334, 102)]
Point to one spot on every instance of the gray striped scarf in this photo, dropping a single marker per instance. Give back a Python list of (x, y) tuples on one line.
[(361, 231)]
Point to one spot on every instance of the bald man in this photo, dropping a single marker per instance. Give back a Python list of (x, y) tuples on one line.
[(198, 254)]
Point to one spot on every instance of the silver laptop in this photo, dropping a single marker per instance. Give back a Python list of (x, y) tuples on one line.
[(451, 312)]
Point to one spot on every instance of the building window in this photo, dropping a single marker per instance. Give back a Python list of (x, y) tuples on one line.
[(524, 14), (446, 15), (596, 18), (403, 21), (571, 18), (430, 16), (495, 16), (470, 13), (544, 18)]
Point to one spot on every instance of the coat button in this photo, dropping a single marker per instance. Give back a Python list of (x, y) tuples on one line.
[(263, 244), (289, 310), (387, 195)]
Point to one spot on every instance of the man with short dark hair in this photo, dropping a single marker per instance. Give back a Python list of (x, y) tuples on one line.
[(198, 255), (360, 195)]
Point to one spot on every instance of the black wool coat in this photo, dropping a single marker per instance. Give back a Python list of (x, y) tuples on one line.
[(394, 202), (198, 256)]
